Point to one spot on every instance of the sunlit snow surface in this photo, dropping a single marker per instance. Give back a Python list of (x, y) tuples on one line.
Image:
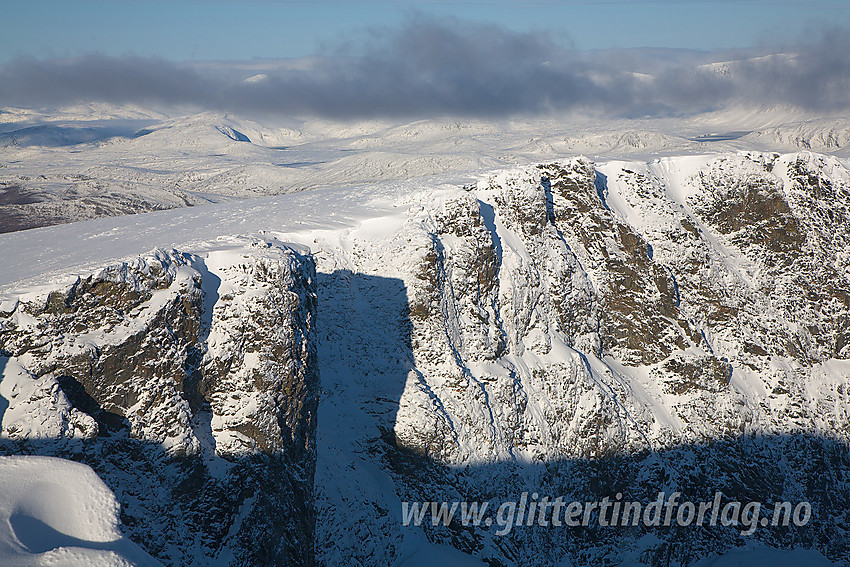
[(92, 160), (365, 181), (343, 227)]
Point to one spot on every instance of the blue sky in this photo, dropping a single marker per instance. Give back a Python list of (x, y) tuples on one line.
[(474, 57), (181, 30)]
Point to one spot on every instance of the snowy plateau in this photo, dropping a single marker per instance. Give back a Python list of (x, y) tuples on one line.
[(315, 322)]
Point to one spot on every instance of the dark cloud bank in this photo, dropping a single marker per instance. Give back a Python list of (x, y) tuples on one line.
[(446, 67)]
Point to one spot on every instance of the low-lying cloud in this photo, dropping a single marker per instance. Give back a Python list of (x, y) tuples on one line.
[(431, 67)]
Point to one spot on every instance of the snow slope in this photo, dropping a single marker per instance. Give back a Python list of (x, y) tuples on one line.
[(58, 512), (485, 332), (91, 161)]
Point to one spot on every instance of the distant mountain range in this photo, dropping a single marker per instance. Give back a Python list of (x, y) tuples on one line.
[(90, 161)]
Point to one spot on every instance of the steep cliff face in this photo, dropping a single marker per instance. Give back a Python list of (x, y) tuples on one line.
[(576, 332), (565, 329), (569, 283), (189, 383)]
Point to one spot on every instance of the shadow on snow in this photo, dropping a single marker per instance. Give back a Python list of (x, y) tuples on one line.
[(365, 355)]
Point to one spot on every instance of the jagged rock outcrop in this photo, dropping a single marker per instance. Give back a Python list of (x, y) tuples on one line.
[(189, 383), (567, 329), (581, 334)]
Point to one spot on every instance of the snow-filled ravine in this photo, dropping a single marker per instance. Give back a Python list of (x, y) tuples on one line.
[(571, 329)]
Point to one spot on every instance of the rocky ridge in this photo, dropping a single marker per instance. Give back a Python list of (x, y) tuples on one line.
[(568, 328), (189, 384), (581, 332)]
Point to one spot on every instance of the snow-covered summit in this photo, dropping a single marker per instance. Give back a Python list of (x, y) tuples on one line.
[(569, 328), (95, 160)]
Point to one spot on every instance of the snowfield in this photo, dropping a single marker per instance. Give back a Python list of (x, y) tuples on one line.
[(96, 160), (58, 512), (490, 318)]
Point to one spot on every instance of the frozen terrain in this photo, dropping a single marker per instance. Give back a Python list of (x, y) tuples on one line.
[(57, 512), (95, 160), (676, 317)]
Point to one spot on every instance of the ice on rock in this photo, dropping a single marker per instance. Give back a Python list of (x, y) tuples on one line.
[(570, 328)]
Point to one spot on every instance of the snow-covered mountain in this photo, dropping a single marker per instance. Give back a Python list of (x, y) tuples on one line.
[(569, 328), (190, 386), (90, 161)]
